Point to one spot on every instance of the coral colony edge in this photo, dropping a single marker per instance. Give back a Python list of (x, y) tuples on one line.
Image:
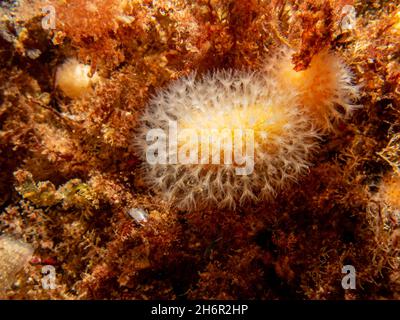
[(240, 149)]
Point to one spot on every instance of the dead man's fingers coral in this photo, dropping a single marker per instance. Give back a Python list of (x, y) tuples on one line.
[(224, 139), (326, 88), (72, 78)]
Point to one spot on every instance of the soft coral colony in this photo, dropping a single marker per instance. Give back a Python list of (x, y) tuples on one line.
[(78, 100), (286, 111)]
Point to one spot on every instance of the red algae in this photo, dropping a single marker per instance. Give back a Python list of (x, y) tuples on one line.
[(71, 172)]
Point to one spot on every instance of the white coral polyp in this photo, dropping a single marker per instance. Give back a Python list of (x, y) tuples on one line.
[(284, 138)]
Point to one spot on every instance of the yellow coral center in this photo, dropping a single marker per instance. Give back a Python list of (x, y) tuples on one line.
[(226, 131)]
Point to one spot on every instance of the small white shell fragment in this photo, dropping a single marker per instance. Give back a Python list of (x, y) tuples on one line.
[(33, 53), (14, 255), (6, 35), (139, 215), (126, 19)]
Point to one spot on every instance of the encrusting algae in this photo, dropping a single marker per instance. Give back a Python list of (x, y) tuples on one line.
[(321, 78)]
